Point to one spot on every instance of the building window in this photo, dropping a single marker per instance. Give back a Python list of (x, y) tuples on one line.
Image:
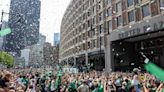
[(162, 5), (154, 8), (109, 12), (130, 3), (93, 1), (118, 6), (94, 43), (94, 20), (93, 32), (89, 45), (101, 41), (88, 13), (100, 16), (119, 21), (110, 25), (94, 9), (101, 29), (145, 10), (108, 1), (88, 23), (137, 2), (99, 5), (89, 34), (83, 36), (84, 26), (131, 16)]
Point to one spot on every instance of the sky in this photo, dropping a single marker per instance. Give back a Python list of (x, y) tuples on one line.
[(52, 12), (51, 15)]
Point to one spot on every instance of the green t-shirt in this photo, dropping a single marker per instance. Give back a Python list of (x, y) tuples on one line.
[(100, 88), (72, 86), (95, 90)]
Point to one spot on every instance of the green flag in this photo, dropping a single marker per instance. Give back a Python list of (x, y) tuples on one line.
[(154, 69), (4, 32)]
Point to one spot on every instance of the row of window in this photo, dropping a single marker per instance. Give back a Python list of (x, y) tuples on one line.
[(89, 45), (134, 15)]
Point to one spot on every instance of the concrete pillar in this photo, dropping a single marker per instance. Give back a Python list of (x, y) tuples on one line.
[(67, 61), (86, 58), (74, 62), (108, 64)]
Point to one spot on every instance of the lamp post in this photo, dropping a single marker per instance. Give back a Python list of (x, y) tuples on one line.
[(2, 15)]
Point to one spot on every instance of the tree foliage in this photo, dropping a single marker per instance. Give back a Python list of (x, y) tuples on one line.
[(6, 59)]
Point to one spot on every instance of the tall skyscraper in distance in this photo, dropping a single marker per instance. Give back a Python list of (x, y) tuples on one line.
[(24, 21), (56, 39), (42, 39)]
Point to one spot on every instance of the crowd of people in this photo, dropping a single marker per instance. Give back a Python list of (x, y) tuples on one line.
[(93, 81)]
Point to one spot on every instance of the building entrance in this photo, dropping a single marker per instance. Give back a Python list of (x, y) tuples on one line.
[(126, 53), (152, 48)]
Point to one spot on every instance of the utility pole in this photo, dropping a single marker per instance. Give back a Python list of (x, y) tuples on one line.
[(2, 15), (1, 19)]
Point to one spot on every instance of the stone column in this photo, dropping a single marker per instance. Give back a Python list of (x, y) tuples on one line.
[(86, 58), (74, 62), (108, 60), (67, 61)]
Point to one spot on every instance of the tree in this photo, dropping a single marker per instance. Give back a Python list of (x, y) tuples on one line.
[(6, 59)]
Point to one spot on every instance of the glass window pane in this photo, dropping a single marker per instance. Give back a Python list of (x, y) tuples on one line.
[(109, 12), (145, 10), (131, 16), (119, 21), (110, 25), (130, 3), (162, 5), (118, 7)]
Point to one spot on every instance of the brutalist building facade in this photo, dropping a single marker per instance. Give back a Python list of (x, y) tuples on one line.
[(112, 33), (24, 18)]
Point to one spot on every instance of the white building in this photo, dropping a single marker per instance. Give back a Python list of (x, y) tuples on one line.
[(25, 53), (36, 52)]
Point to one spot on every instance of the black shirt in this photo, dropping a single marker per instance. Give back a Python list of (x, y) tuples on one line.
[(121, 90), (3, 83)]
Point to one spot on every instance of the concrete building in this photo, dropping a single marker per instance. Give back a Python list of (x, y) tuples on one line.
[(24, 21), (111, 33), (56, 39), (51, 54), (36, 58), (25, 55)]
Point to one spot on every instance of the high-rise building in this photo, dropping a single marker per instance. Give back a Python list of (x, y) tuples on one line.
[(24, 18), (42, 39), (56, 39), (36, 52), (112, 33), (51, 54)]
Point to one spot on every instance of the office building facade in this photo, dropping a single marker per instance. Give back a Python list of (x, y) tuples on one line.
[(24, 18), (111, 33), (56, 39)]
